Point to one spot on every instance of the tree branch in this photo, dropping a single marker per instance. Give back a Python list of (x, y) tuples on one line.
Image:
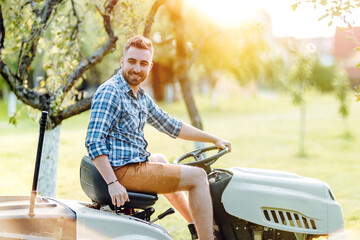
[(109, 7), (78, 22), (28, 96), (102, 51), (2, 31), (90, 61), (33, 7), (28, 51), (151, 16), (76, 108)]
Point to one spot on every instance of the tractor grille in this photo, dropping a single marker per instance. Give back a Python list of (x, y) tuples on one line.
[(288, 218)]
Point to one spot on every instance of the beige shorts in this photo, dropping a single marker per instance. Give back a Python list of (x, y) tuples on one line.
[(149, 177)]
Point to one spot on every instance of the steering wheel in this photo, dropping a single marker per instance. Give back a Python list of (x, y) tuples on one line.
[(199, 160)]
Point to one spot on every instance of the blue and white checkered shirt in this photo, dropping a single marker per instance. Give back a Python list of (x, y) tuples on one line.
[(117, 121)]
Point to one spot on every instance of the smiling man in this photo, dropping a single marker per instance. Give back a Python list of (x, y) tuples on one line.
[(116, 143)]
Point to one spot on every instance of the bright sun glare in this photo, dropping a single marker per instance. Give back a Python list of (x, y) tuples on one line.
[(226, 12), (301, 23)]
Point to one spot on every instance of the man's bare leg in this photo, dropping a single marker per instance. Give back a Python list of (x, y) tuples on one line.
[(194, 180), (177, 199), (180, 203)]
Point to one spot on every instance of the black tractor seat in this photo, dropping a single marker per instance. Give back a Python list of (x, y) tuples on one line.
[(96, 188)]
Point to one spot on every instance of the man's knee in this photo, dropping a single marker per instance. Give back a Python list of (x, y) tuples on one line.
[(202, 176), (193, 177)]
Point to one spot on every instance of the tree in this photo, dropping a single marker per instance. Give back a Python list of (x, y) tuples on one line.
[(342, 86), (50, 33), (176, 12), (299, 79)]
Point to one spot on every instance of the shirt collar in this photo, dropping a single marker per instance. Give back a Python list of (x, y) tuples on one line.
[(124, 85)]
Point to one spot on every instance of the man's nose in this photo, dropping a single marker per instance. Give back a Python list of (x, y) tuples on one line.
[(137, 67)]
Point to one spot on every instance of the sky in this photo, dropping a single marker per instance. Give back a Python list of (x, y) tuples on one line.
[(302, 23)]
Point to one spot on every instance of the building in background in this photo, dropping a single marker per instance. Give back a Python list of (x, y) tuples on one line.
[(347, 57)]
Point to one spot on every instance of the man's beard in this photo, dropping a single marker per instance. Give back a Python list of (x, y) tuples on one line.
[(133, 78)]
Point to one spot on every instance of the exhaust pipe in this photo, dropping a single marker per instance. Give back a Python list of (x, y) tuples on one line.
[(44, 115)]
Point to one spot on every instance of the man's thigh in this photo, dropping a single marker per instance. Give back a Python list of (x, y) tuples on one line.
[(151, 177)]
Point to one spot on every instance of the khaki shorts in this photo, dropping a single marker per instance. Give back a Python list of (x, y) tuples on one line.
[(149, 177)]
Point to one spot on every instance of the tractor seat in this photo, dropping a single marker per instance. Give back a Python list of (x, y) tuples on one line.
[(96, 188)]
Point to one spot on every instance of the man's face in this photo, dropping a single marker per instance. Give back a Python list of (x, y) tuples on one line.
[(136, 65)]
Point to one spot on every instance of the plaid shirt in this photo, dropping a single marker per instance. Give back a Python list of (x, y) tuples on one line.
[(117, 121)]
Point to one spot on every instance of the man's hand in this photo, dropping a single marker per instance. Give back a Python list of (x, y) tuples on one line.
[(118, 194), (188, 132), (222, 144)]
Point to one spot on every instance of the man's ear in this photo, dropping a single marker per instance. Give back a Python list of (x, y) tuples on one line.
[(151, 65), (121, 60)]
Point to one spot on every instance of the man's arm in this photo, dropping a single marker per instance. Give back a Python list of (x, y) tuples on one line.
[(188, 132), (117, 192), (104, 112)]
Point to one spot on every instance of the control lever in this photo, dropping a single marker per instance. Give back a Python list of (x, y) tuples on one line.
[(145, 215), (164, 214)]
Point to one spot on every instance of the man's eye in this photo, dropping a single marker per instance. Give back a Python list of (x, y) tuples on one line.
[(144, 64)]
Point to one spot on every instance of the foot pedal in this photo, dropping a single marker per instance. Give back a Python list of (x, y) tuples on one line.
[(145, 215), (192, 230)]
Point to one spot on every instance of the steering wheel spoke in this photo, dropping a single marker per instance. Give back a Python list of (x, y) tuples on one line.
[(199, 159)]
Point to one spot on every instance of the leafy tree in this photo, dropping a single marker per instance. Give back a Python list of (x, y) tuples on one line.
[(342, 88), (51, 33), (323, 76), (299, 79), (332, 10)]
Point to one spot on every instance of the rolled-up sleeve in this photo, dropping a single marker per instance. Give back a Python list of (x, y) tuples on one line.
[(104, 113), (162, 121)]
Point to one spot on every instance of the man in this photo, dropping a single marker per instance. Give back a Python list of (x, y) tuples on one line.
[(117, 146)]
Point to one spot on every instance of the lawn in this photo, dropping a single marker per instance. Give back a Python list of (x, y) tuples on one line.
[(264, 132)]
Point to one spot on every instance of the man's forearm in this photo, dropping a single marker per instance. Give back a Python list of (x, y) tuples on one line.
[(102, 164), (188, 132)]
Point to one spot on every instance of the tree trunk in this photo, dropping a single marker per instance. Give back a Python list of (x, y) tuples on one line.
[(347, 132), (302, 152), (48, 166), (182, 66)]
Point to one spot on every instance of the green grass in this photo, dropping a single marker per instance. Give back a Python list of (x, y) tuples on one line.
[(264, 133)]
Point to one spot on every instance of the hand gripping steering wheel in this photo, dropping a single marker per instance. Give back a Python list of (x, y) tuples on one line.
[(200, 161)]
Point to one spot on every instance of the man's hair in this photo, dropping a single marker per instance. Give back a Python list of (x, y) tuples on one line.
[(140, 42)]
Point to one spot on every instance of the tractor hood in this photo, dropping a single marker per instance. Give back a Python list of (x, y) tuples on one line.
[(283, 201), (69, 219), (52, 219)]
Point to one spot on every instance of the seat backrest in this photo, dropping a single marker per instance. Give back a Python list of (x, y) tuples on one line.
[(96, 188), (93, 183)]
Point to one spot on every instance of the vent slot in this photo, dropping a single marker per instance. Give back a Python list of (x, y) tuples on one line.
[(289, 218), (305, 223), (288, 215), (274, 216), (313, 224), (298, 221), (282, 218), (267, 215)]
